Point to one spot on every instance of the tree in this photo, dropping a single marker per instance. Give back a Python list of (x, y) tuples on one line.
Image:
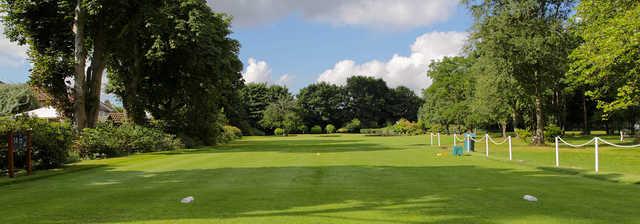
[(323, 104), (257, 96), (531, 37), (608, 61), (403, 103), (367, 100), (496, 94), (447, 100), (182, 67), (282, 114), (16, 98)]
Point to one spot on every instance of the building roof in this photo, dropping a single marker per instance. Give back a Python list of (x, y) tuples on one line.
[(44, 112)]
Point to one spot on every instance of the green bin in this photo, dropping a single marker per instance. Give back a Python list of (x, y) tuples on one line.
[(457, 150)]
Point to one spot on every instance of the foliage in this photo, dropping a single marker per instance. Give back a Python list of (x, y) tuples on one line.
[(406, 127), (16, 98), (353, 126), (279, 132), (551, 131), (316, 129), (112, 140), (51, 142), (368, 100), (229, 134), (386, 131), (608, 61), (523, 134), (343, 130), (323, 104), (257, 96), (403, 103), (447, 100), (282, 114), (330, 129), (531, 37)]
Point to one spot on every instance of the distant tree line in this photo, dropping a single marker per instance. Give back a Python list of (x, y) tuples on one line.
[(365, 99)]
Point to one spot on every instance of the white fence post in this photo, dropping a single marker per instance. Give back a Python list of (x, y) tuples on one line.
[(510, 153), (454, 139), (438, 138), (486, 143), (597, 154), (467, 142), (557, 159), (431, 142)]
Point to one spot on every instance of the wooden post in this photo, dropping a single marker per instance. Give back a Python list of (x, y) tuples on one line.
[(557, 153), (29, 152), (438, 138), (486, 143), (597, 162), (510, 150), (10, 156)]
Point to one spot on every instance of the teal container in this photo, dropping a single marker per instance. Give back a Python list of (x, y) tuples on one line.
[(458, 150)]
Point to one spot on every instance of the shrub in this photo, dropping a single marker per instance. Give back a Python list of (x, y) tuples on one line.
[(406, 127), (51, 142), (110, 140), (524, 134), (551, 131), (330, 129), (353, 126), (278, 132), (230, 133), (303, 129), (316, 130), (343, 130)]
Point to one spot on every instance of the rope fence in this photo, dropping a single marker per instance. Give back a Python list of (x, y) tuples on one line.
[(596, 141)]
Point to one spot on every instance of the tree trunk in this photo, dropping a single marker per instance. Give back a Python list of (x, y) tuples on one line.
[(503, 126), (539, 136), (80, 56), (94, 79), (585, 116), (135, 109)]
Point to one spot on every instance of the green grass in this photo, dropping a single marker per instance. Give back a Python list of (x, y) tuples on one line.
[(333, 179)]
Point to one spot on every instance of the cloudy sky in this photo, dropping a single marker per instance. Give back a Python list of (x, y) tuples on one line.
[(298, 42)]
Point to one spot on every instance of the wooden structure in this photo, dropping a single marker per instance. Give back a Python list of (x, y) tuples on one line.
[(24, 141)]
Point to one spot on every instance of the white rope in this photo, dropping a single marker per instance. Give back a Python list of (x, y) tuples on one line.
[(494, 142), (473, 139), (576, 146), (616, 145)]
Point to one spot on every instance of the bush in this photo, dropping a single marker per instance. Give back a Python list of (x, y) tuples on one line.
[(330, 129), (278, 132), (406, 127), (551, 131), (303, 129), (51, 142), (110, 140), (230, 133), (343, 130), (353, 126), (524, 134), (316, 130)]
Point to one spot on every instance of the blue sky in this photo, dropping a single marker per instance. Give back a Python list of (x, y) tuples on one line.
[(296, 43)]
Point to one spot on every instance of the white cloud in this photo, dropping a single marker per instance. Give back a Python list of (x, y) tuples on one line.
[(409, 71), (11, 54), (260, 72), (370, 13)]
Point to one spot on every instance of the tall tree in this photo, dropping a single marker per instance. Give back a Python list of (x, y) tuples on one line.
[(283, 113), (367, 100), (608, 62), (257, 96), (16, 98), (323, 104), (403, 103), (531, 37), (448, 99)]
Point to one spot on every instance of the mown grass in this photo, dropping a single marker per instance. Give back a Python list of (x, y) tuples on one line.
[(334, 179)]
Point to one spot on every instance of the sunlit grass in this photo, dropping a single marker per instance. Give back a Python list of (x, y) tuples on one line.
[(334, 179)]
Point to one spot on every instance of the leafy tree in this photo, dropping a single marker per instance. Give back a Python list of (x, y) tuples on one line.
[(16, 98), (608, 62), (323, 104), (257, 96), (403, 103), (282, 114), (367, 100), (447, 100), (531, 37)]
